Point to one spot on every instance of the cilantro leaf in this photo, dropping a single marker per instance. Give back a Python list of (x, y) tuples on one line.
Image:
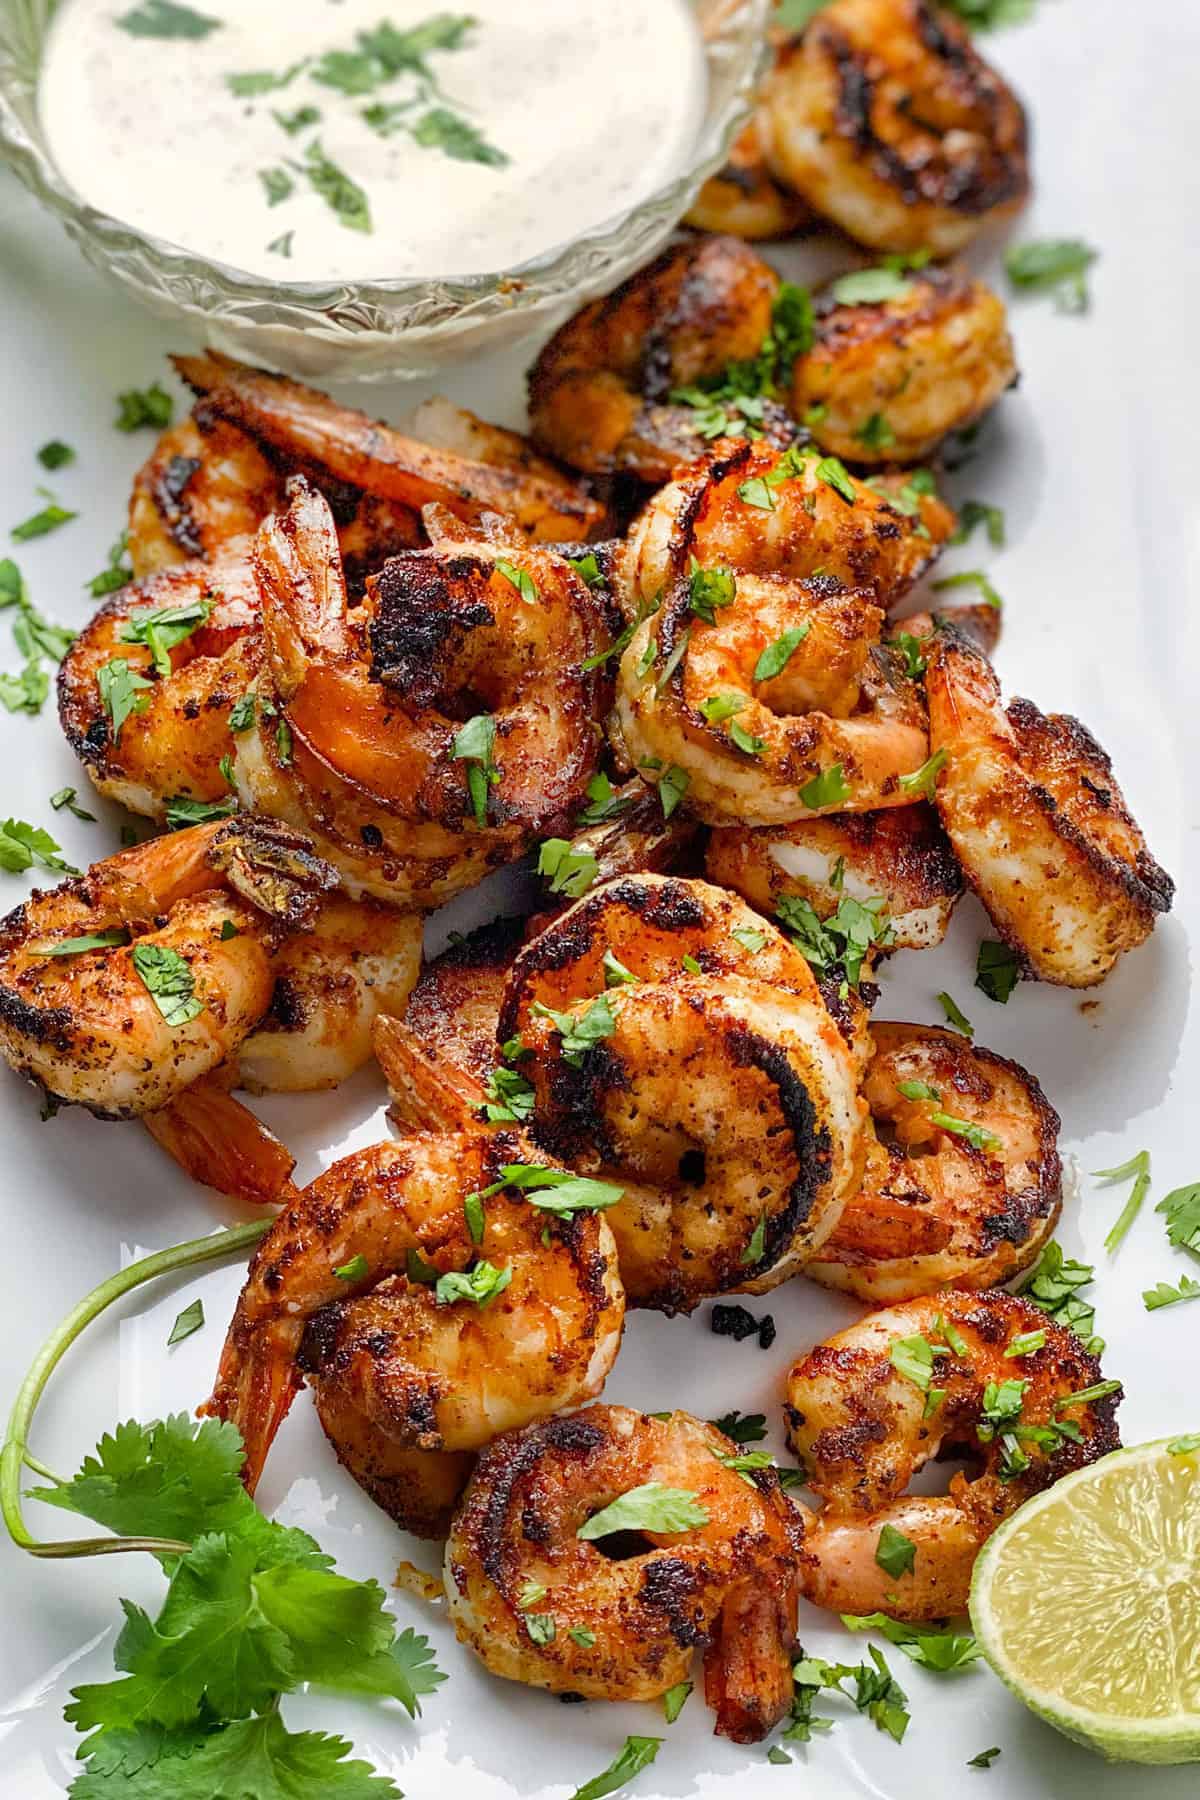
[(167, 19), (1163, 1294), (870, 287), (168, 978), (22, 845), (447, 131), (775, 658), (122, 691), (342, 194), (923, 781), (171, 1479), (650, 1507), (1182, 1210), (674, 1700), (41, 523), (1053, 265), (743, 1428), (189, 1321), (971, 578), (481, 1284), (895, 1553), (836, 946), (638, 1753), (940, 1651), (258, 1757), (55, 455), (955, 1016), (997, 970), (579, 1031), (138, 407), (567, 871), (829, 788), (977, 512), (161, 628)]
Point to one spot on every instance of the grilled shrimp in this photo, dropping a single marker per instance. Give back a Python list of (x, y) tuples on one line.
[(600, 392), (749, 508), (171, 748), (863, 1426), (886, 382), (883, 117), (963, 1186), (835, 727), (1038, 823), (900, 857), (710, 1081), (182, 972), (197, 492), (348, 1289), (744, 199), (370, 752), (339, 448), (454, 1008), (541, 1604)]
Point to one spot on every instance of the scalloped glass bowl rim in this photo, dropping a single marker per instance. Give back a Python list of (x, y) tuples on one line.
[(429, 305)]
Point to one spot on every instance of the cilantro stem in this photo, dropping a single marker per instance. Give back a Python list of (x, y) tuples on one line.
[(16, 1454)]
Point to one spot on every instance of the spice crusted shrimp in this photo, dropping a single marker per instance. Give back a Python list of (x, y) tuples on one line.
[(347, 1290), (743, 198), (600, 392), (963, 1185), (181, 976), (367, 751), (312, 435), (886, 120), (900, 856), (628, 1629), (671, 1040), (863, 1428), (171, 744), (754, 509), (886, 381), (835, 727), (1038, 823)]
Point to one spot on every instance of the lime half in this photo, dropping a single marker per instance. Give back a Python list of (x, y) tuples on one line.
[(1087, 1604)]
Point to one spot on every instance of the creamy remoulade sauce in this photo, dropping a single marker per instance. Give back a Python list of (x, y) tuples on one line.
[(508, 137)]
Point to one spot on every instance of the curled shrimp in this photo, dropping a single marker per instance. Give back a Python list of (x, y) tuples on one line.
[(123, 986), (600, 392), (834, 726), (628, 1628), (744, 199), (368, 750), (171, 745), (454, 1009), (963, 1184), (311, 434), (885, 382), (884, 118), (863, 1428), (347, 1289), (197, 492), (1038, 823), (751, 508), (900, 857), (672, 1041)]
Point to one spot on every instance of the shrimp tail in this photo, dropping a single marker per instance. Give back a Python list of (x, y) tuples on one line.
[(219, 1142), (257, 1380), (748, 1666), (428, 1093)]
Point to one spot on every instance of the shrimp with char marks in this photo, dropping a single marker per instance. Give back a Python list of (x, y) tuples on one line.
[(628, 1627), (677, 1044), (778, 702), (886, 381), (794, 514), (364, 1287), (898, 861), (744, 199), (436, 735), (171, 743), (1037, 821), (311, 434), (863, 1427), (963, 1184), (885, 119), (123, 986)]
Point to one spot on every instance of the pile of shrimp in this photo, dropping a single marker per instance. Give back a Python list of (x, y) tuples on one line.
[(666, 643)]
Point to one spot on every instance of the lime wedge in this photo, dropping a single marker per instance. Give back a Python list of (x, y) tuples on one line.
[(1087, 1604)]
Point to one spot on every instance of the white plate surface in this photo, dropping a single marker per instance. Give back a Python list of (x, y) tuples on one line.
[(1095, 461)]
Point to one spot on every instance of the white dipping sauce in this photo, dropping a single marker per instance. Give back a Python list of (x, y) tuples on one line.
[(595, 103)]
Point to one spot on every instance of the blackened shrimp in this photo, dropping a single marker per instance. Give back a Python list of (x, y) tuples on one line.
[(963, 1184), (1037, 821), (884, 118), (794, 513), (438, 733), (540, 1602), (898, 861), (987, 1374), (600, 393), (311, 434), (123, 986), (188, 641), (744, 199), (885, 382), (423, 1299), (770, 700), (670, 1040)]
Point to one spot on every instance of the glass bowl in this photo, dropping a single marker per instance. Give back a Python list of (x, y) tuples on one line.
[(373, 329)]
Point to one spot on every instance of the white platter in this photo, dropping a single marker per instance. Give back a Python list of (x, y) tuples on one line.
[(1096, 462)]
